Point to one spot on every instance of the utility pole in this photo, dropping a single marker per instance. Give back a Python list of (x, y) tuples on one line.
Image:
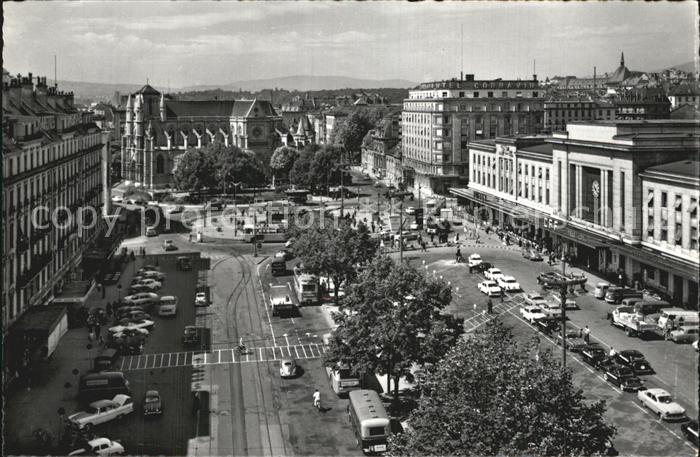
[(401, 230), (255, 235), (342, 188), (563, 285)]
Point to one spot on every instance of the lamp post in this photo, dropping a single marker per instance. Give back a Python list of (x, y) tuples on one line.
[(563, 284)]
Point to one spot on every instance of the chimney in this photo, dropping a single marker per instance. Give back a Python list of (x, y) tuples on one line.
[(594, 80), (27, 88), (41, 90), (15, 90), (6, 95), (469, 77), (461, 75), (534, 78)]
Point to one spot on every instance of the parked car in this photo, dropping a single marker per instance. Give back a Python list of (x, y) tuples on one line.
[(600, 289), (126, 332), (474, 260), (150, 285), (410, 210), (548, 324), (414, 226), (103, 411), (574, 342), (695, 346), (167, 306), (168, 245), (570, 302), (593, 355), (490, 288), (117, 198), (635, 360), (124, 311), (493, 274), (615, 295), (138, 288), (508, 283), (200, 299), (551, 308), (153, 274), (288, 368), (690, 430), (141, 324), (142, 298), (531, 313), (661, 403), (151, 231), (623, 377), (152, 403), (683, 335), (214, 205), (534, 298), (100, 446)]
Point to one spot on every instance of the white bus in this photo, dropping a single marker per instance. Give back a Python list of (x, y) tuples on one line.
[(369, 420), (307, 288)]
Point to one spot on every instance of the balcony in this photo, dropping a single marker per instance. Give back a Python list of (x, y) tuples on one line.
[(38, 264)]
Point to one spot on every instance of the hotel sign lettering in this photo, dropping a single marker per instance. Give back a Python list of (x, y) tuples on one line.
[(481, 85)]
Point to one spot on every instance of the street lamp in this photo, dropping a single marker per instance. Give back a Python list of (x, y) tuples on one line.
[(563, 284), (392, 195)]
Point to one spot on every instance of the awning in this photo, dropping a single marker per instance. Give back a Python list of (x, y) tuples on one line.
[(585, 238), (651, 257)]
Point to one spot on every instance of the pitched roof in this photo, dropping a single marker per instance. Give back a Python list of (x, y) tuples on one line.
[(147, 90), (199, 108)]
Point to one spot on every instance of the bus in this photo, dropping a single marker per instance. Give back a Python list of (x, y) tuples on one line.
[(279, 266), (307, 288), (342, 380), (369, 421)]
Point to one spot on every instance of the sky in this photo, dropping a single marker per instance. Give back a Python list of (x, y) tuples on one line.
[(185, 43)]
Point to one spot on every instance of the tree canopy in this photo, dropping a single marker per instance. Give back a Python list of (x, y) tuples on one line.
[(334, 252), (351, 132), (282, 160), (492, 396), (216, 166), (316, 167), (395, 319)]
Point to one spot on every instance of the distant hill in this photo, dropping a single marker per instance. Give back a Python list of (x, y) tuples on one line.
[(307, 83), (88, 91)]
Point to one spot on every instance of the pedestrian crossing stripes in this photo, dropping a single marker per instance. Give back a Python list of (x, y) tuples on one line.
[(215, 256), (480, 319), (220, 356)]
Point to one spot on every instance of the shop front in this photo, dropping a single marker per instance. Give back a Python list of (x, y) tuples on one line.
[(675, 280), (583, 249)]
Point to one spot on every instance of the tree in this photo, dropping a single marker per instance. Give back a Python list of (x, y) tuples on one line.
[(350, 133), (335, 252), (316, 167), (215, 165), (396, 319), (299, 175), (195, 171), (490, 396), (282, 160)]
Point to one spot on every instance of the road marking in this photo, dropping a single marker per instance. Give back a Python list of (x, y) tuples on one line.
[(296, 351), (267, 312), (304, 351)]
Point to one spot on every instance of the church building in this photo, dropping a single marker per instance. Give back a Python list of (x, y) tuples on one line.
[(158, 130)]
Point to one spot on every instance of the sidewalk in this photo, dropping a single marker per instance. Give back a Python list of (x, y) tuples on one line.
[(37, 406)]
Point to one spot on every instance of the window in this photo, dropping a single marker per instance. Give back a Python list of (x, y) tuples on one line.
[(535, 94), (679, 234), (694, 238), (693, 208), (650, 198), (504, 94), (664, 200), (489, 94), (461, 94), (476, 94)]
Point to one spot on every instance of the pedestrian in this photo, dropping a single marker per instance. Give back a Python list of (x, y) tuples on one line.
[(422, 245), (104, 290), (580, 332), (681, 321), (100, 340), (91, 336), (432, 238), (586, 335), (489, 306), (98, 330), (189, 238), (474, 308), (109, 309), (503, 295), (317, 399)]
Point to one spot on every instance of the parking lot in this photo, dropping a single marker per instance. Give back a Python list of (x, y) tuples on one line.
[(639, 432)]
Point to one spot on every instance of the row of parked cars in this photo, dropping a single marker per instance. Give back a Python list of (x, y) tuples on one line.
[(622, 369), (496, 282)]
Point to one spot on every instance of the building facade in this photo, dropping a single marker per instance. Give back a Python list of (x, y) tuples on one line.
[(158, 131), (55, 183), (559, 111), (584, 196), (670, 224), (381, 152), (440, 118)]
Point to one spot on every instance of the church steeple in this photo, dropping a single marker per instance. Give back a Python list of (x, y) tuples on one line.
[(622, 59)]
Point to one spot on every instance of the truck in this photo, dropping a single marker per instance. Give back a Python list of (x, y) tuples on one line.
[(281, 300), (631, 323)]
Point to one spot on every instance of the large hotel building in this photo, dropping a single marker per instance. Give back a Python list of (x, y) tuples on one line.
[(618, 197), (54, 157), (440, 118)]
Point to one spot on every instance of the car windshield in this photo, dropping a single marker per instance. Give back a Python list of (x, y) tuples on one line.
[(91, 410), (151, 399), (490, 284), (664, 399), (509, 280), (536, 297), (535, 310), (495, 271), (626, 372), (475, 257)]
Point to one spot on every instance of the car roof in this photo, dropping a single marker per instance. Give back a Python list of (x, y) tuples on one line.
[(286, 361), (657, 391), (97, 441), (630, 352), (100, 403), (508, 278), (150, 393)]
